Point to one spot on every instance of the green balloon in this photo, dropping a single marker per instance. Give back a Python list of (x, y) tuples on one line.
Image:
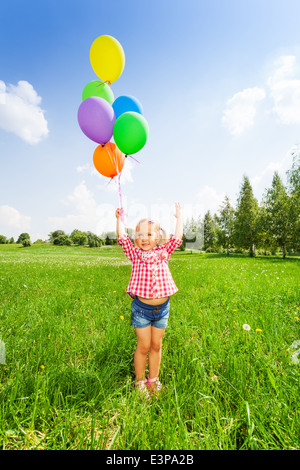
[(130, 132), (100, 89)]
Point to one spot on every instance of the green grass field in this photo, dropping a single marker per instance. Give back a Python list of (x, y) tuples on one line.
[(68, 373)]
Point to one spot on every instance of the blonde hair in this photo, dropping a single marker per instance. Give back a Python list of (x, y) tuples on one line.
[(155, 225)]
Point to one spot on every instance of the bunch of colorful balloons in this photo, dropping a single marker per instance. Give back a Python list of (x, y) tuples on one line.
[(101, 117)]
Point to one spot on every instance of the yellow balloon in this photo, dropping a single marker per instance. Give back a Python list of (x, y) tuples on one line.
[(107, 58)]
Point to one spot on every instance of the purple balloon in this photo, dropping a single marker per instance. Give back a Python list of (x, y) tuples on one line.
[(96, 119)]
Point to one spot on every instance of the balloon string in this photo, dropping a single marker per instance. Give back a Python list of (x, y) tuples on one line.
[(114, 160), (103, 83), (112, 156), (133, 158), (122, 213)]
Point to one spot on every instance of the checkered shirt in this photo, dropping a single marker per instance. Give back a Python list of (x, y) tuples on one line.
[(150, 274)]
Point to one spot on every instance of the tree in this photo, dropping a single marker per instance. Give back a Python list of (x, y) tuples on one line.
[(246, 215), (62, 240), (226, 224), (93, 240), (79, 238), (110, 238), (53, 235), (23, 236), (209, 232), (293, 182), (2, 240), (278, 216), (294, 173), (265, 239)]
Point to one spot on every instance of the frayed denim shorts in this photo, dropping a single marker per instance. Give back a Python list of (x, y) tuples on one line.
[(143, 315)]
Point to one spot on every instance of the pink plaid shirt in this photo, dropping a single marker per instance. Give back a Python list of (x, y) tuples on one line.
[(150, 274)]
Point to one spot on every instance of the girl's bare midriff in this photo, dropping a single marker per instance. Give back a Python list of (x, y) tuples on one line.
[(153, 301)]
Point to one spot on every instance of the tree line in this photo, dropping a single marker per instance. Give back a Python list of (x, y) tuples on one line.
[(272, 224), (59, 237), (251, 226)]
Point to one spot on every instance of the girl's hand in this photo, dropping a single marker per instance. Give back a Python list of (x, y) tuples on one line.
[(119, 213), (120, 223), (179, 223), (178, 210)]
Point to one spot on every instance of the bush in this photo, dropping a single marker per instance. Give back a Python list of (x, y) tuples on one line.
[(2, 239), (94, 243), (26, 242), (62, 240), (22, 237), (78, 237)]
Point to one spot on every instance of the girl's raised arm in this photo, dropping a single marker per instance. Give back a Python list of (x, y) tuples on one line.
[(179, 223), (120, 224), (125, 242)]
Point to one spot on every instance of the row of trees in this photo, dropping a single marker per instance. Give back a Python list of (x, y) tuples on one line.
[(78, 237), (23, 238), (59, 237), (271, 224)]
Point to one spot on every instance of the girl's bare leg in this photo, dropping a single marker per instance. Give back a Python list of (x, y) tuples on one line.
[(141, 352), (155, 352)]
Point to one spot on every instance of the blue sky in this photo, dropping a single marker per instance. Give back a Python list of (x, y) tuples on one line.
[(219, 82)]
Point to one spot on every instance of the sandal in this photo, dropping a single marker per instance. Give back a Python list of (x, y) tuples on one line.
[(140, 385), (157, 385)]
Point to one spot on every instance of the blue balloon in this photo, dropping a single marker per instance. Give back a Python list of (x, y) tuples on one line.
[(123, 104)]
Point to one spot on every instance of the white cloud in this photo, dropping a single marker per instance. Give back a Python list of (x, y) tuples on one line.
[(2, 92), (20, 112), (12, 220), (282, 90), (285, 90), (126, 174), (86, 214), (82, 168), (108, 184), (265, 176), (38, 236), (241, 110), (84, 210), (269, 169), (83, 200), (209, 200)]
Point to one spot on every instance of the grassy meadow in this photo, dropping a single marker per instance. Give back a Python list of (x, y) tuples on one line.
[(67, 379)]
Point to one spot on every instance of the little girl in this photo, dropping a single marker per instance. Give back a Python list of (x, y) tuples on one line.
[(150, 286)]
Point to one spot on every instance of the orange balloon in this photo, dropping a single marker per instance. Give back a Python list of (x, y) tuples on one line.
[(108, 160)]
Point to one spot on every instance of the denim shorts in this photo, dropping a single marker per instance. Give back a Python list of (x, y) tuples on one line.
[(143, 315)]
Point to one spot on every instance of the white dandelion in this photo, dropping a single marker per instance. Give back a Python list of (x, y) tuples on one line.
[(246, 327)]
